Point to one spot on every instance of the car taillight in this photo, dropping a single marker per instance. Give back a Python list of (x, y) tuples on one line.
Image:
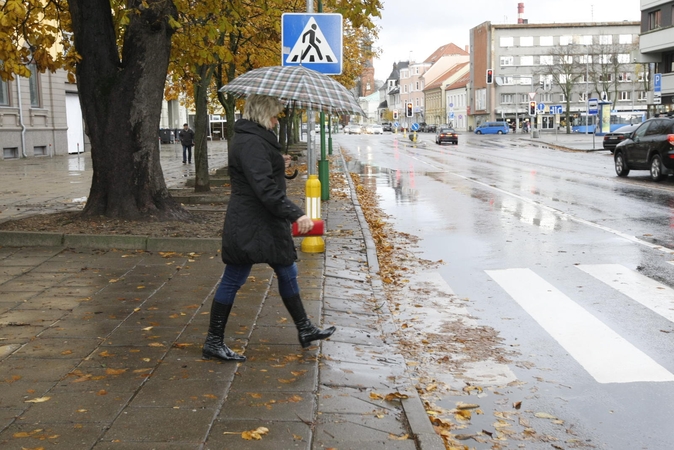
[(670, 139)]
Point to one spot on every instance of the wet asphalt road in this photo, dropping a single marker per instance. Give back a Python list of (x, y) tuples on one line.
[(569, 263)]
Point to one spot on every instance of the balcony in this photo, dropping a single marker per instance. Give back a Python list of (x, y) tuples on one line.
[(658, 40)]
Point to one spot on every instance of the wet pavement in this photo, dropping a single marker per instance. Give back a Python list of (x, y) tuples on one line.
[(101, 348)]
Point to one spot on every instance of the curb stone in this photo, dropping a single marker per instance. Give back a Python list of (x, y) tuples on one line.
[(417, 419)]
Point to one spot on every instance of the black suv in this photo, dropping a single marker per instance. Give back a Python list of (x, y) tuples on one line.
[(649, 147), (386, 126)]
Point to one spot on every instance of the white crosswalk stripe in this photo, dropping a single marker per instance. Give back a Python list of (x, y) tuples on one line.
[(603, 353), (653, 295)]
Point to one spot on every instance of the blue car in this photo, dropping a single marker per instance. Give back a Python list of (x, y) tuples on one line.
[(493, 128)]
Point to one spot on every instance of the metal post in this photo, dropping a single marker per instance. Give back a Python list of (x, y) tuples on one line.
[(324, 163)]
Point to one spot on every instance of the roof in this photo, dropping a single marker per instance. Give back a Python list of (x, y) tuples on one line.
[(383, 105), (446, 50), (462, 82), (437, 82), (395, 73)]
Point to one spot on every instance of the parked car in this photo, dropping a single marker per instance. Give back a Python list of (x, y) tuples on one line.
[(493, 128), (446, 134), (386, 126), (616, 137), (649, 147), (353, 129)]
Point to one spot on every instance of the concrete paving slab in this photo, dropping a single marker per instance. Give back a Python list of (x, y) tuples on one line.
[(191, 366), (36, 369), (31, 317), (286, 435), (14, 392), (347, 400), (181, 393), (364, 336), (350, 306), (366, 376), (358, 431), (362, 354), (146, 446), (271, 406), (265, 377), (65, 435), (57, 348), (159, 425), (79, 329), (68, 406)]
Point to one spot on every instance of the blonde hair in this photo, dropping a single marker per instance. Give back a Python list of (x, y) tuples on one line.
[(261, 108)]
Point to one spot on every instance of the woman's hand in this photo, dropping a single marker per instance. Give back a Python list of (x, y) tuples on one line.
[(288, 160), (304, 224)]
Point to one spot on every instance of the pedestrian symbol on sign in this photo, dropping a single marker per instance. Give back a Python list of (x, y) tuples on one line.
[(311, 46)]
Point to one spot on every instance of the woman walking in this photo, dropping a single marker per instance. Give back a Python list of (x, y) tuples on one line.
[(257, 225)]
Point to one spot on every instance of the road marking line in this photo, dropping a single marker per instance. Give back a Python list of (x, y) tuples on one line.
[(603, 353), (653, 295)]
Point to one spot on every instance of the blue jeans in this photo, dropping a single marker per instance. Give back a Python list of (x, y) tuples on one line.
[(236, 275), (187, 153)]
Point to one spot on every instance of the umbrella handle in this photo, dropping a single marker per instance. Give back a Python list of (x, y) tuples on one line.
[(293, 176)]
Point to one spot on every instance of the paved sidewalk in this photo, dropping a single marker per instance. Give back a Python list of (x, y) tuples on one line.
[(100, 349), (561, 140)]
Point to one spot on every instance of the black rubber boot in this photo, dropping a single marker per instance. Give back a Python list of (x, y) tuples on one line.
[(306, 331), (214, 347)]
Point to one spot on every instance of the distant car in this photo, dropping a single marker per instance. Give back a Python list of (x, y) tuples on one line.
[(386, 126), (493, 128), (616, 137), (446, 134), (649, 147), (353, 129), (376, 129)]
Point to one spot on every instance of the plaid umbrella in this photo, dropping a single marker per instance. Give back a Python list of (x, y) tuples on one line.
[(306, 88)]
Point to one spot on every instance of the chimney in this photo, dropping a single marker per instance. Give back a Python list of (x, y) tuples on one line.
[(520, 13)]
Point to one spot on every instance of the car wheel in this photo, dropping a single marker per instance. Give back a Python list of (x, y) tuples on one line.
[(500, 132), (620, 165), (656, 168), (478, 132)]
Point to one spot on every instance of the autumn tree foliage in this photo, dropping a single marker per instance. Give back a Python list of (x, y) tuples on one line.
[(119, 52)]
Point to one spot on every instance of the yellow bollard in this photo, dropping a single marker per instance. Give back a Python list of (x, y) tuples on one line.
[(313, 244), (415, 137)]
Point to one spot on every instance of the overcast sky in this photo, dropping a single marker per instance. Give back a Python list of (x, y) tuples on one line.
[(414, 29)]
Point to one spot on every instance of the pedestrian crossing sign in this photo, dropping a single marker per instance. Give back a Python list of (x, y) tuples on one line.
[(313, 41)]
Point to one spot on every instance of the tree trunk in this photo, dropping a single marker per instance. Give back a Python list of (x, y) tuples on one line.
[(121, 105), (202, 182)]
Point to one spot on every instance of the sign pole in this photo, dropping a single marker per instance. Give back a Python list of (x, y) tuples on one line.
[(324, 163)]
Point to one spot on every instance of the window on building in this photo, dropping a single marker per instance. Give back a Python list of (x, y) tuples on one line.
[(546, 97), (404, 74), (625, 39), (4, 93), (605, 39), (654, 19), (404, 89), (506, 41), (623, 58), (546, 60), (604, 59), (507, 99), (582, 97), (526, 41), (507, 61), (526, 60), (565, 40), (566, 59), (585, 59), (626, 77), (586, 40), (606, 77), (562, 97), (545, 41), (417, 86), (642, 96), (480, 99), (524, 98), (34, 85), (624, 96)]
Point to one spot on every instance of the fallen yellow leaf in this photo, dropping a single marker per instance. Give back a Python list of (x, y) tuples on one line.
[(255, 434), (398, 438), (38, 400), (375, 396), (115, 371)]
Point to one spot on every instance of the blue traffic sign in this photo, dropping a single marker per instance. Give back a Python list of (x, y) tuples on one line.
[(313, 41), (593, 106), (415, 127), (556, 109), (657, 82), (540, 107), (396, 124)]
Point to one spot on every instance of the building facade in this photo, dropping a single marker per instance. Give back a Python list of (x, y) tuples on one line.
[(40, 116), (656, 45), (437, 106), (526, 62)]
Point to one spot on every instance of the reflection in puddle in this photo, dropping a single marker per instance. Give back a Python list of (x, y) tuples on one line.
[(76, 164)]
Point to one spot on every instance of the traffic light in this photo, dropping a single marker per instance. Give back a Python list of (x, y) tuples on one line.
[(395, 114), (490, 76), (532, 108), (409, 112)]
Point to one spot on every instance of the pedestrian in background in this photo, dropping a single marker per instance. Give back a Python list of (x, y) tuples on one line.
[(257, 225), (186, 136)]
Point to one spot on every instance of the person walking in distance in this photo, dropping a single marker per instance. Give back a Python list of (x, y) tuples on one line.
[(186, 136), (257, 225)]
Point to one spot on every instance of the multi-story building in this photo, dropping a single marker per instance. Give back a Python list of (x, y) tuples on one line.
[(437, 106), (456, 100), (656, 44), (40, 116), (553, 64)]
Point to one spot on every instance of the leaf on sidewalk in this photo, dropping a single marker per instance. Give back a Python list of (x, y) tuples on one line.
[(395, 437), (396, 396), (38, 400), (251, 435)]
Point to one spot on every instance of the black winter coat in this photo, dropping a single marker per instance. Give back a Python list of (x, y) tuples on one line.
[(259, 215)]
